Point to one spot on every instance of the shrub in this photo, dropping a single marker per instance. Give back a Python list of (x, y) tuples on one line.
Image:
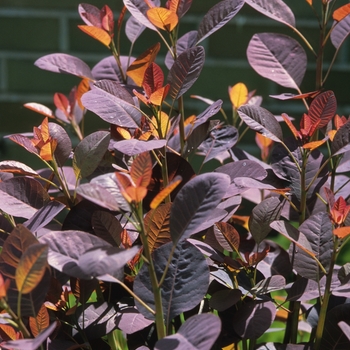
[(118, 243)]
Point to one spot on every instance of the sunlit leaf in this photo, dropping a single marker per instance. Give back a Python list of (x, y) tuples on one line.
[(40, 322), (136, 71), (138, 9), (141, 169), (158, 96), (185, 71), (217, 17), (165, 192), (279, 58), (157, 226), (163, 18), (238, 95), (291, 126), (275, 9), (97, 33), (18, 242), (341, 12), (31, 267), (342, 232), (314, 144), (39, 108)]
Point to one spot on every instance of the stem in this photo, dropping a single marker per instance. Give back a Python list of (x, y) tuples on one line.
[(182, 125), (152, 273), (326, 296), (117, 58)]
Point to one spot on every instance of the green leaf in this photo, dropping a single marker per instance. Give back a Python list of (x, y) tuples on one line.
[(31, 267), (89, 153)]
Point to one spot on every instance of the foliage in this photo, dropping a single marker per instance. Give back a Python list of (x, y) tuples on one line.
[(118, 243)]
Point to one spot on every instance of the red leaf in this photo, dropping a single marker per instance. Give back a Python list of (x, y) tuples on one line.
[(107, 20), (153, 79), (61, 102), (323, 108)]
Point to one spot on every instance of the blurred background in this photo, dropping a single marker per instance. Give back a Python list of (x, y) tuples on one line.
[(30, 29)]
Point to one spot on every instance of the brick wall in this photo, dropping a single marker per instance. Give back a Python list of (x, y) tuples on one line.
[(32, 28)]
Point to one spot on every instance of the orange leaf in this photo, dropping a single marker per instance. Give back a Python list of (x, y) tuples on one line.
[(97, 33), (125, 238), (137, 69), (264, 144), (158, 96), (153, 79), (61, 102), (341, 12), (141, 170), (290, 125), (39, 108), (84, 86), (137, 194), (313, 145), (238, 95), (163, 18), (40, 322), (44, 130), (7, 332), (164, 125), (4, 285), (309, 2), (158, 199), (241, 220), (331, 134), (342, 232), (124, 133), (173, 5)]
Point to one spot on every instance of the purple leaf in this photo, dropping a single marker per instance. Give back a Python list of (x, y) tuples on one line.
[(186, 281), (107, 227), (24, 141), (133, 29), (30, 344), (98, 195), (112, 109), (89, 152), (262, 121), (90, 14), (254, 318), (12, 166), (184, 43), (66, 247), (44, 215), (224, 299), (345, 328), (96, 319), (275, 9), (270, 284), (22, 196), (107, 68), (279, 58), (194, 202), (63, 63), (243, 168), (133, 147), (341, 141), (129, 320), (318, 231), (220, 139), (262, 215), (340, 32), (116, 89), (185, 71), (198, 332), (106, 261), (64, 144), (218, 16)]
